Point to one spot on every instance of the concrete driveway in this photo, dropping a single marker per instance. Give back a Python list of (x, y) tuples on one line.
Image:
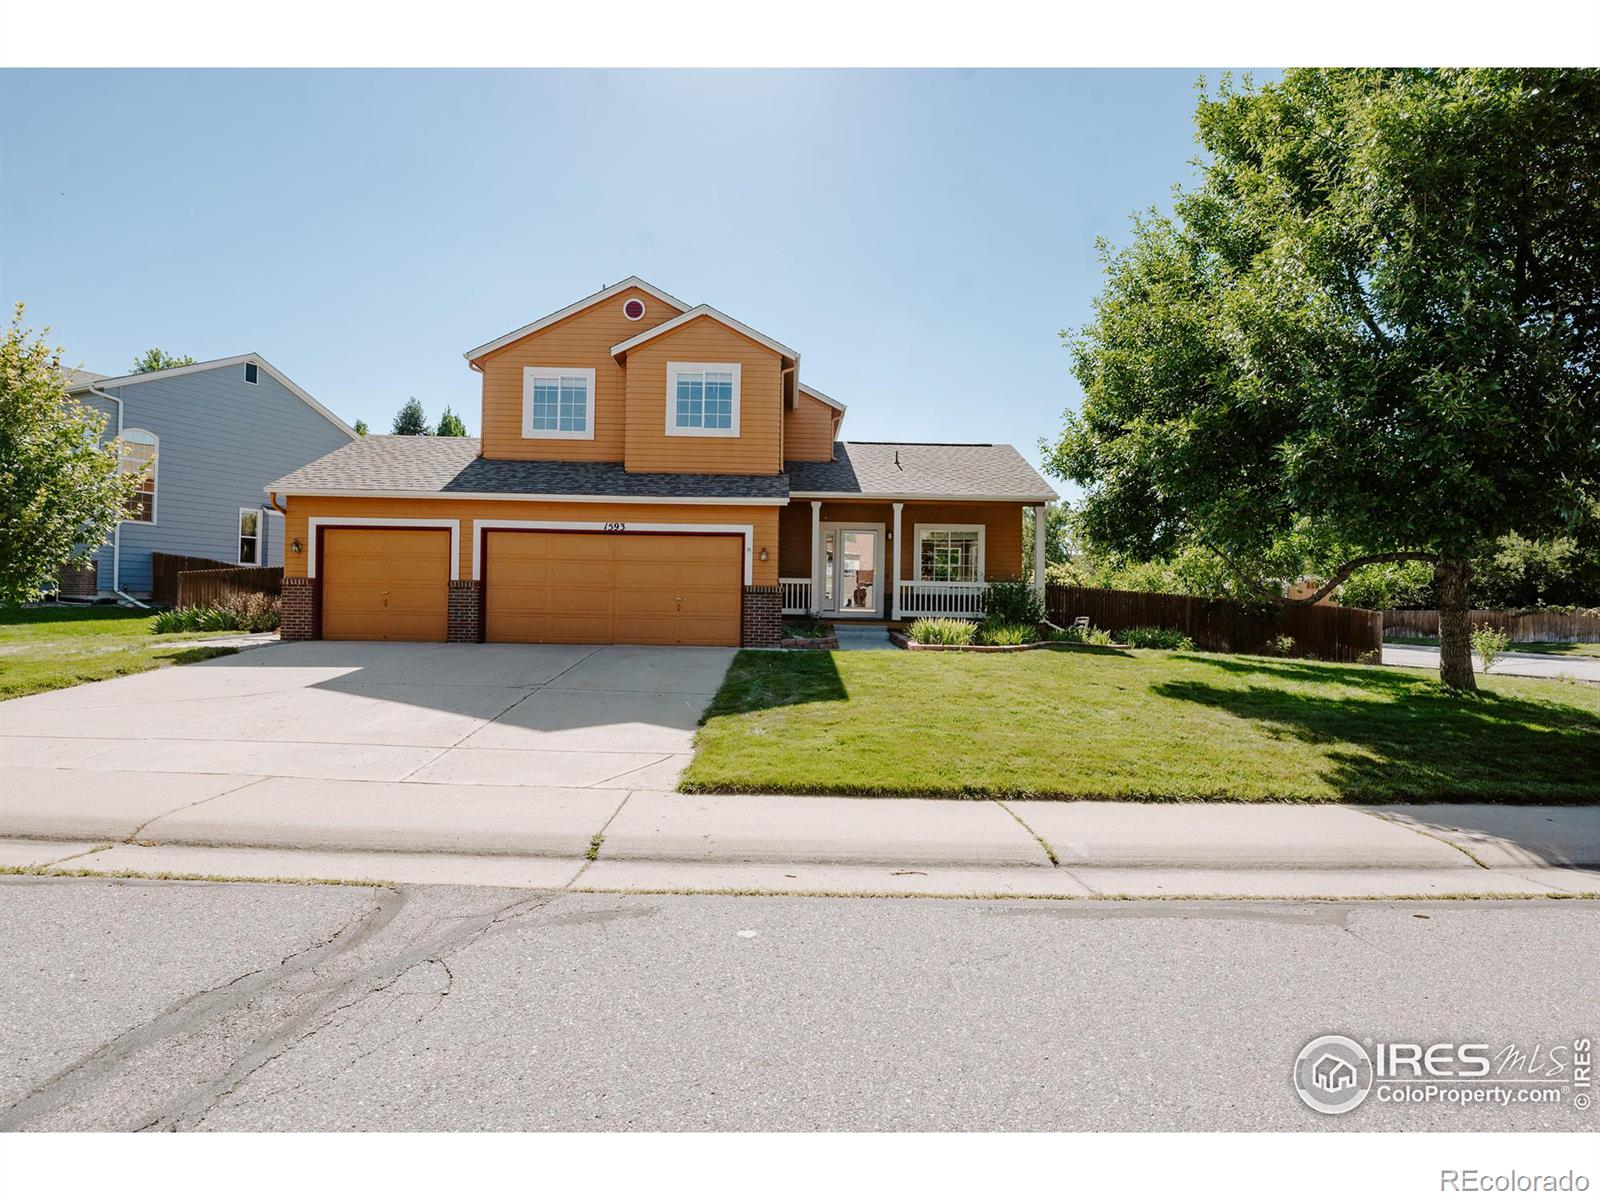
[(1535, 666), (326, 729)]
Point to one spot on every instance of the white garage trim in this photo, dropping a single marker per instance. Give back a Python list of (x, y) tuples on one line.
[(450, 523), (747, 532)]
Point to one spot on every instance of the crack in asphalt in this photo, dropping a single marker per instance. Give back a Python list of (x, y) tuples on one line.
[(333, 1000), (195, 1010)]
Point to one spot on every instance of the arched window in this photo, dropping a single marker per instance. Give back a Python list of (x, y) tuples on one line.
[(137, 456)]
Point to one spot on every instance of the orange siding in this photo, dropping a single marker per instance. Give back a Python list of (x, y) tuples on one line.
[(582, 340), (1002, 538), (758, 448), (808, 431), (763, 519)]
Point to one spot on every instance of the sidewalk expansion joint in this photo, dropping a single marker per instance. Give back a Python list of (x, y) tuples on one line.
[(1476, 861)]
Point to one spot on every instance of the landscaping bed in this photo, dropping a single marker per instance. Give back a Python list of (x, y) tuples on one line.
[(1140, 725), (809, 635), (901, 639)]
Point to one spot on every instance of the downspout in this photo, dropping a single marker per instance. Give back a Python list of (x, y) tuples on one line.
[(116, 537)]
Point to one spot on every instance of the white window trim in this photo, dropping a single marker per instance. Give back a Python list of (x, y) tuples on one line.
[(673, 370), (260, 539), (155, 472), (529, 374), (247, 368), (917, 532), (449, 523), (748, 532)]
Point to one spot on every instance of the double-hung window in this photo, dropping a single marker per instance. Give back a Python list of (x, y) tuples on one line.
[(250, 537), (558, 402), (703, 399), (950, 554), (137, 456)]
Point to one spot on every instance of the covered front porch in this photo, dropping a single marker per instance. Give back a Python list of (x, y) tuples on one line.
[(897, 560)]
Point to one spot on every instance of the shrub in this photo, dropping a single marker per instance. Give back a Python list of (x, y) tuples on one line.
[(1087, 637), (1012, 602), (1489, 644), (174, 620), (996, 633), (1154, 637), (942, 631), (255, 611), (1280, 644)]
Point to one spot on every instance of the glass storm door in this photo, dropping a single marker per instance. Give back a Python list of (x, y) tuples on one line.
[(855, 591)]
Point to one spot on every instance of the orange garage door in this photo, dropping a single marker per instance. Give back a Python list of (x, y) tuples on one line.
[(385, 584), (630, 588)]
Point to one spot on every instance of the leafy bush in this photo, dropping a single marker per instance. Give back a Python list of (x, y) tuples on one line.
[(1489, 644), (1154, 637), (253, 611), (996, 633), (1086, 637), (1280, 644), (942, 631), (1012, 602)]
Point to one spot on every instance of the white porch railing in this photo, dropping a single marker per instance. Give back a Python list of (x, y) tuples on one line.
[(796, 595), (942, 599)]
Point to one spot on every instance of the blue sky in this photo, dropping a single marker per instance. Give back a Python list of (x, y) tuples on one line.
[(920, 236)]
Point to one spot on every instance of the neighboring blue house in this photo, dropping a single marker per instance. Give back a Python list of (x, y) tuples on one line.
[(210, 437)]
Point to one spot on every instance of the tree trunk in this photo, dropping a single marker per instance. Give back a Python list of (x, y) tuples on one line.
[(1450, 579)]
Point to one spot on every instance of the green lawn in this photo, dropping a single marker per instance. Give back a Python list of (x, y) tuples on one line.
[(1578, 649), (42, 649), (1140, 725)]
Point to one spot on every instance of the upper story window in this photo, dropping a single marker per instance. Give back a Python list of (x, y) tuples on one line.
[(949, 554), (558, 402), (250, 537), (250, 373), (703, 399), (137, 456)]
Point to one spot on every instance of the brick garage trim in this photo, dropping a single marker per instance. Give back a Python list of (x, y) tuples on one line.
[(298, 609), (763, 616), (464, 622)]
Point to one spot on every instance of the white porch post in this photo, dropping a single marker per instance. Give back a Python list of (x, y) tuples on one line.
[(816, 556), (897, 557), (1038, 549)]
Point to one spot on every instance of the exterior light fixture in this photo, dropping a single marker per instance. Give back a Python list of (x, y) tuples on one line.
[(295, 545)]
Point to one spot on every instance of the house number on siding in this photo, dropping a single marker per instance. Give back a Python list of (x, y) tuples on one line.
[(615, 526)]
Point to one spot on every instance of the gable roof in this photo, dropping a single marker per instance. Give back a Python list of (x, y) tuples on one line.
[(632, 281), (920, 471), (101, 381), (694, 314), (396, 465), (816, 395)]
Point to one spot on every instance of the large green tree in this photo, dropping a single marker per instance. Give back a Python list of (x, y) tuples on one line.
[(60, 491), (411, 421), (1369, 330), (157, 359), (450, 425)]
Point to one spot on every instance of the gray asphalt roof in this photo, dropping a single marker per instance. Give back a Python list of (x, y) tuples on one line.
[(917, 469), (387, 463), (381, 463)]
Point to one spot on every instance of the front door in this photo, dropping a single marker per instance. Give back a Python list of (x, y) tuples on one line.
[(852, 571)]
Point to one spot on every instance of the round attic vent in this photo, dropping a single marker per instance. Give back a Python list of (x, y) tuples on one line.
[(633, 309)]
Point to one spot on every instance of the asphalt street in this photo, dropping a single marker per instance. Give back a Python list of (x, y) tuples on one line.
[(140, 1004)]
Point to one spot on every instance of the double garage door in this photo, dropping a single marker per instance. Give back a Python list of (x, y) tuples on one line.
[(539, 586)]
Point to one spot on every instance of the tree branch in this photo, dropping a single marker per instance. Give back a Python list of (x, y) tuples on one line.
[(1360, 297), (1366, 560)]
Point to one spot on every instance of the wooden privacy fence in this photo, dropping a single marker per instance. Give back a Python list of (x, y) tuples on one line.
[(1322, 631), (210, 588), (1519, 626), (164, 570)]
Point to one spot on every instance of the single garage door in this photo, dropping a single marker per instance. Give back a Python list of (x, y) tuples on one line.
[(629, 588), (385, 584)]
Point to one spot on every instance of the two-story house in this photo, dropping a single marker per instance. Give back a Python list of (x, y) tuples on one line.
[(649, 472), (204, 439)]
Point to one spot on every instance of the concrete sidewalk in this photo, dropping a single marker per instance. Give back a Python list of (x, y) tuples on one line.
[(1532, 666), (652, 840)]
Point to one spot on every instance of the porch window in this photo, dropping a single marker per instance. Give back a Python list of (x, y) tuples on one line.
[(137, 456), (558, 402), (703, 399), (950, 555)]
